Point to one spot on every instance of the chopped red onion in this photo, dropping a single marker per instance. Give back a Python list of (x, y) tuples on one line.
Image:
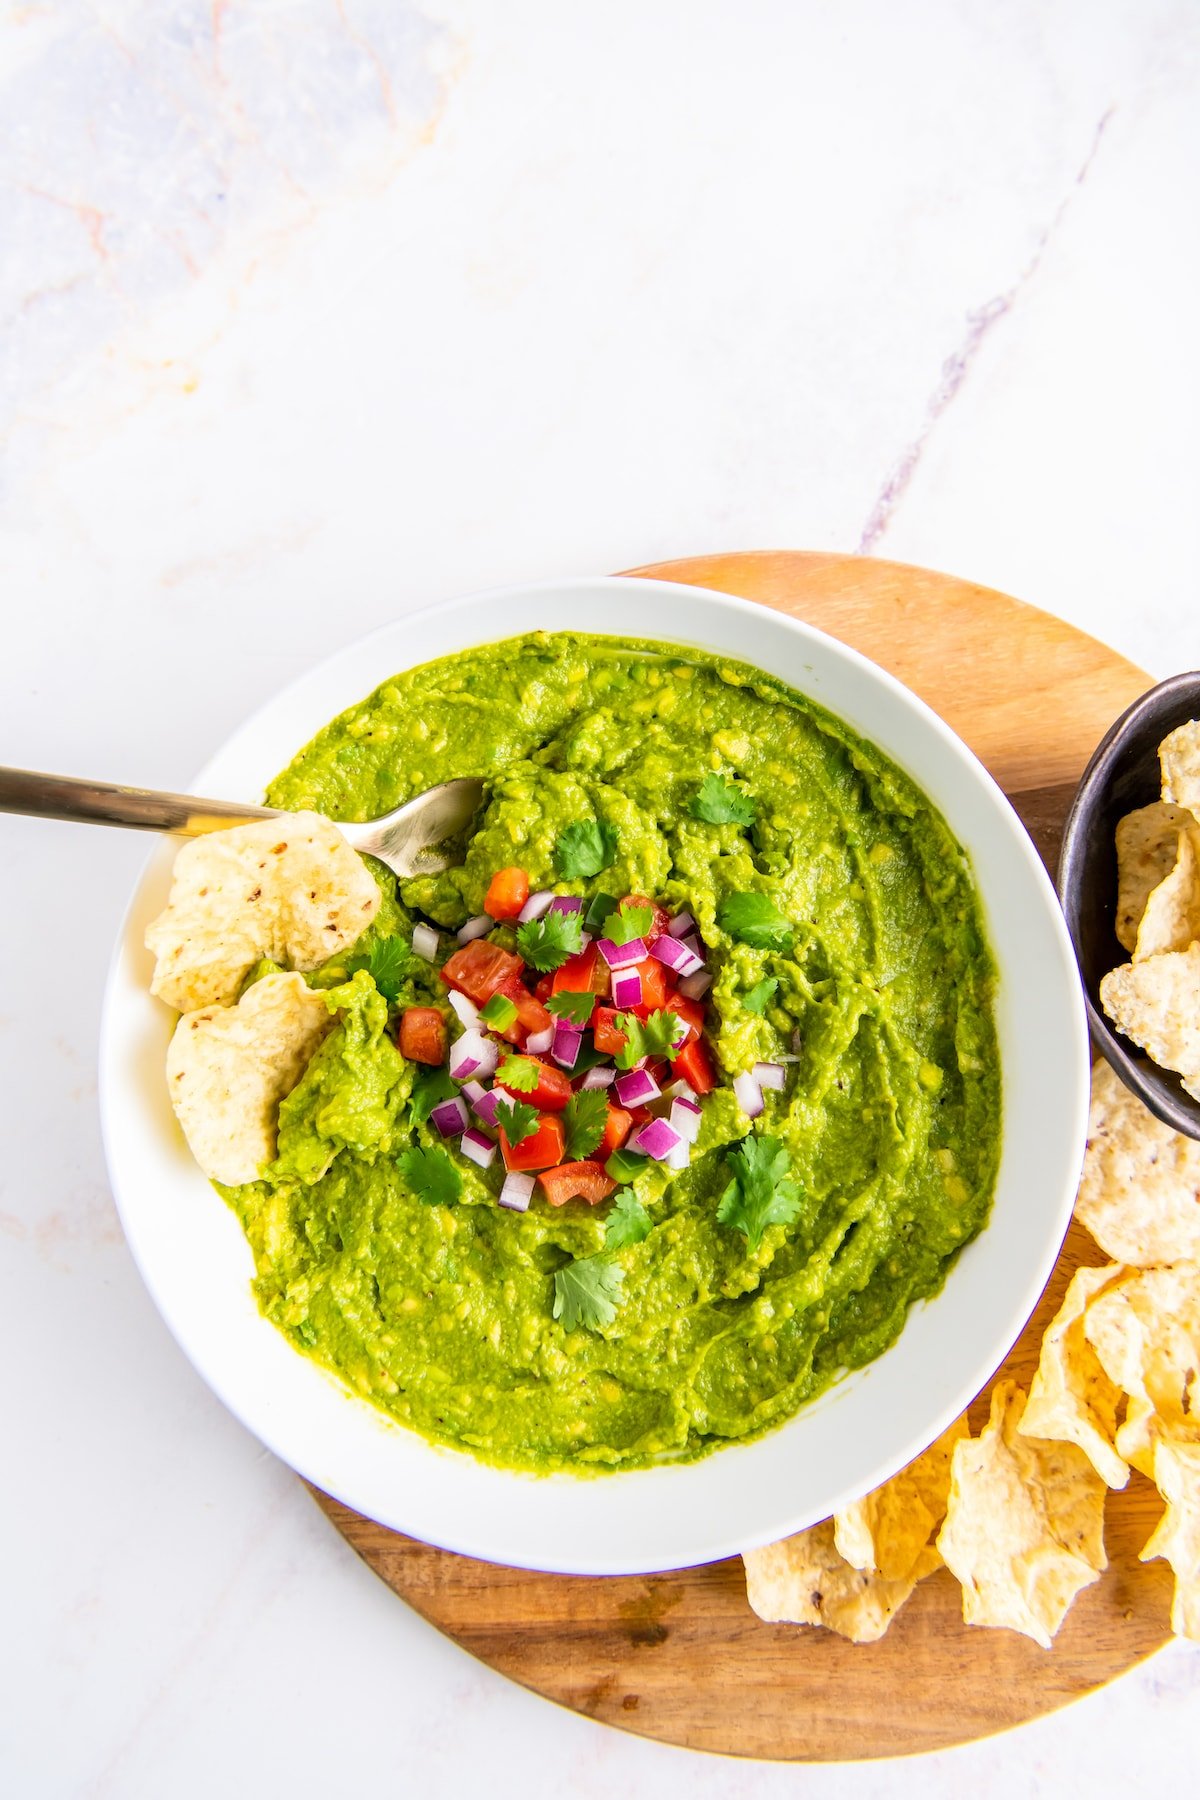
[(597, 1078), (565, 903), (451, 1116), (748, 1095), (477, 1148), (623, 956), (485, 1106), (473, 1054), (679, 1157), (685, 1119), (797, 1039), (679, 1090), (466, 1010), (769, 1074), (626, 988), (680, 925), (694, 945), (517, 1192), (538, 1042), (425, 942), (694, 987), (565, 1048), (675, 955), (637, 1088), (477, 927), (656, 1139), (536, 906), (474, 1091)]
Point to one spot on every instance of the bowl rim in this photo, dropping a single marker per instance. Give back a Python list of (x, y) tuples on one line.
[(544, 1522)]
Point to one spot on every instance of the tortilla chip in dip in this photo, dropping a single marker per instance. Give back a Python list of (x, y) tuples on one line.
[(1147, 852), (290, 889), (1177, 1535), (804, 1580), (888, 1531), (1156, 1003), (1024, 1530), (1072, 1399), (1139, 1195), (1179, 760), (228, 1067)]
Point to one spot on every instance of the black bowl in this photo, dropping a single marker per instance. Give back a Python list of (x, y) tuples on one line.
[(1123, 774)]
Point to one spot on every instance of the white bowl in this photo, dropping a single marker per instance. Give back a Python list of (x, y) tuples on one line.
[(197, 1264)]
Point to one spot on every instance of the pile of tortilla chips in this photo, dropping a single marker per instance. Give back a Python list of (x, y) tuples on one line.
[(1021, 1507), (1155, 998)]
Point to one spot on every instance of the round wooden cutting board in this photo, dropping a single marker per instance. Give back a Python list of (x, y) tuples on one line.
[(681, 1656)]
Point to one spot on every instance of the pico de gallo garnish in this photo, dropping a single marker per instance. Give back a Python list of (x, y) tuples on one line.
[(580, 1053)]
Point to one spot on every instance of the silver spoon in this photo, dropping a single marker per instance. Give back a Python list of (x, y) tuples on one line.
[(410, 840)]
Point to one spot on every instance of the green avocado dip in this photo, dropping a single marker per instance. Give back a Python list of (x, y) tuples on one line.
[(438, 1306)]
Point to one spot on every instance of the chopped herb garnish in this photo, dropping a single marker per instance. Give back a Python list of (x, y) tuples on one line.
[(584, 849), (627, 1223), (659, 1034), (387, 963), (547, 942), (758, 998), (584, 1117), (431, 1175), (588, 1292), (517, 1120), (576, 1009), (762, 1192), (519, 1073), (628, 922), (755, 920), (499, 1012), (623, 1165), (429, 1088), (600, 909), (719, 802)]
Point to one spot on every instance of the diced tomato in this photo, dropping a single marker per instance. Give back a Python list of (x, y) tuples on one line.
[(659, 1070), (639, 1115), (423, 1037), (541, 1150), (479, 969), (657, 983), (586, 973), (617, 1127), (531, 1014), (543, 988), (690, 1011), (577, 1181), (694, 1064), (662, 917), (507, 893), (608, 1036), (553, 1088)]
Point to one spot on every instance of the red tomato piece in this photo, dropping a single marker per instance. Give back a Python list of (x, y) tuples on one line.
[(577, 1181), (608, 1036), (662, 917), (586, 973), (690, 1011), (657, 984), (479, 969), (694, 1064), (507, 893), (531, 1014), (541, 1150), (544, 988), (617, 1127), (553, 1088), (423, 1037)]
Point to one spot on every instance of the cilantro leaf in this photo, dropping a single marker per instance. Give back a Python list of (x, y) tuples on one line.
[(762, 1192), (584, 849), (660, 1033), (387, 963), (755, 920), (518, 1073), (576, 1009), (627, 1223), (757, 999), (585, 1117), (429, 1088), (587, 1292), (517, 1120), (431, 1175), (547, 942), (628, 922), (719, 802)]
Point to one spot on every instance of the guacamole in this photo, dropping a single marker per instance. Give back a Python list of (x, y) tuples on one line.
[(440, 1311)]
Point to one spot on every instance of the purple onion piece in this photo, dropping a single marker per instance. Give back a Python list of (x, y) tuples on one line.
[(626, 988), (425, 941), (565, 903), (597, 1078), (451, 1116), (538, 1042), (477, 927), (694, 987), (474, 1091), (685, 1119), (536, 906), (680, 925), (656, 1139), (565, 1048), (748, 1095), (485, 1106), (679, 1157), (477, 1148), (473, 1055), (679, 1090), (637, 1088), (517, 1192), (769, 1074), (623, 956), (466, 1011), (675, 955)]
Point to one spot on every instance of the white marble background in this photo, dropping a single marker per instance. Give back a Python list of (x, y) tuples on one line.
[(313, 312)]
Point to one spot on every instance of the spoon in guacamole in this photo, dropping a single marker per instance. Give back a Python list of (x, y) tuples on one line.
[(418, 838)]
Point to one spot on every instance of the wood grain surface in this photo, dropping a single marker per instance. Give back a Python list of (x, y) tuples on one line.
[(681, 1656)]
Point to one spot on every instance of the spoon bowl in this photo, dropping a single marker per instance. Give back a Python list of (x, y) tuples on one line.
[(1122, 775)]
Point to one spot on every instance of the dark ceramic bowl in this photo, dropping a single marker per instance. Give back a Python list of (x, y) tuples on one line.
[(1122, 775)]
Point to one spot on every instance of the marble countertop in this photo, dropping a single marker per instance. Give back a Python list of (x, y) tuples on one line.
[(315, 312)]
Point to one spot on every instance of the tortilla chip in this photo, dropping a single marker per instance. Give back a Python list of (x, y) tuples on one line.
[(805, 1581), (1171, 920), (1024, 1527), (289, 889), (1179, 760), (1147, 850), (1157, 1004), (1142, 1429), (1071, 1399), (1140, 1191), (228, 1067), (1146, 1332), (888, 1531), (1177, 1534)]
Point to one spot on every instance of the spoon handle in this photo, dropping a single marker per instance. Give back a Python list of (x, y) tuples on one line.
[(103, 803)]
